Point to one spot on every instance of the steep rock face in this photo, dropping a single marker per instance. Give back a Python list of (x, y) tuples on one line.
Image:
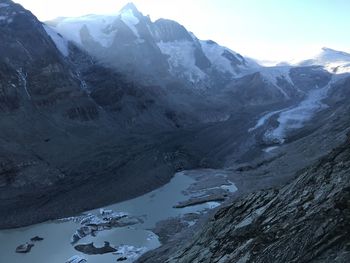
[(61, 135), (40, 96), (308, 78), (254, 90), (29, 58), (305, 221)]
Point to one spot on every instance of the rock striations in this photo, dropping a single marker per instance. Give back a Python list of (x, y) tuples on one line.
[(307, 220)]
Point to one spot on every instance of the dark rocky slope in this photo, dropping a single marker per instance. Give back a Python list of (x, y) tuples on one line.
[(61, 140), (307, 220), (71, 127)]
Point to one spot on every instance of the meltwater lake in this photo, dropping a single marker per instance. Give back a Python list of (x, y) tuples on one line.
[(130, 241)]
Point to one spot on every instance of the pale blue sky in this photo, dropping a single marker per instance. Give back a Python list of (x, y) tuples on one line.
[(263, 29)]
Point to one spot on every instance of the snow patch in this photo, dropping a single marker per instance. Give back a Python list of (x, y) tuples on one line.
[(130, 252), (60, 42), (272, 74), (231, 187), (214, 52), (340, 67), (23, 78), (270, 149), (212, 205)]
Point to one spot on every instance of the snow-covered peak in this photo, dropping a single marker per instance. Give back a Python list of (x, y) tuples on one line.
[(332, 60), (330, 55), (100, 28), (130, 40), (131, 16), (130, 7)]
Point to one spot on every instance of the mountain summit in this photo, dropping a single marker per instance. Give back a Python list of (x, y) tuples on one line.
[(332, 60), (131, 7), (160, 51)]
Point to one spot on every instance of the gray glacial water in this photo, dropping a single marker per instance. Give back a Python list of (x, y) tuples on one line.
[(56, 248)]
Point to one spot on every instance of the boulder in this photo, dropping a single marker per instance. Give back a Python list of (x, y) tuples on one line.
[(36, 239), (90, 249), (24, 248)]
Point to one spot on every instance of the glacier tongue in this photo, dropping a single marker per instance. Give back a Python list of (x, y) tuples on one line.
[(295, 118)]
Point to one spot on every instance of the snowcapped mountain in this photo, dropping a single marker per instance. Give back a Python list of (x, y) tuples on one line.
[(164, 52), (334, 61), (131, 43)]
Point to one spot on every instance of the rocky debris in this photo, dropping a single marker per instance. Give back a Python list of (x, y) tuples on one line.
[(210, 186), (27, 247), (24, 248), (191, 217), (130, 252), (166, 229), (36, 239), (122, 259), (307, 220), (76, 259), (90, 249), (200, 200), (91, 224), (206, 179)]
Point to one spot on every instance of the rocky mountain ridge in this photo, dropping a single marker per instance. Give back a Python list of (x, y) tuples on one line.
[(164, 49), (304, 221)]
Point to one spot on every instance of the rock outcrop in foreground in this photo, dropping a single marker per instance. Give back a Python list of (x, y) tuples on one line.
[(308, 220)]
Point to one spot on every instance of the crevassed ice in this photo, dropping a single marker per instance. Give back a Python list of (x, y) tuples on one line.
[(214, 53), (99, 28), (181, 58), (296, 117)]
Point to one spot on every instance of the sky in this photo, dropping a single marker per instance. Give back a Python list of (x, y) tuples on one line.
[(276, 30)]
